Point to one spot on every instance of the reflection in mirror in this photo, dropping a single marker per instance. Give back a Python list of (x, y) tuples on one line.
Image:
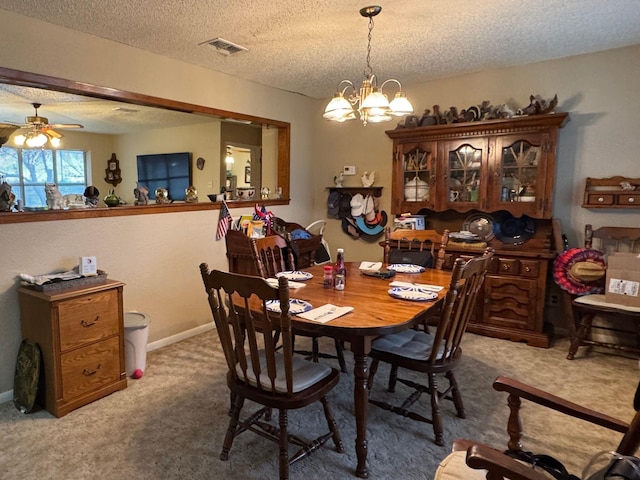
[(129, 125)]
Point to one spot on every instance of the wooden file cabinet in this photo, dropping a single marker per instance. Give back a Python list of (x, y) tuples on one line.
[(80, 332)]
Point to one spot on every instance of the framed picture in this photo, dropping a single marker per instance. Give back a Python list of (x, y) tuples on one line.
[(247, 174)]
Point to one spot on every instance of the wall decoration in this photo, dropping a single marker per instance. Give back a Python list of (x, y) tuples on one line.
[(113, 171)]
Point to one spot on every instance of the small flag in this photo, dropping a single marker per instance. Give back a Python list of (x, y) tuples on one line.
[(224, 222)]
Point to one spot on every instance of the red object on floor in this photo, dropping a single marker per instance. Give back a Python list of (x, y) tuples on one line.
[(137, 373)]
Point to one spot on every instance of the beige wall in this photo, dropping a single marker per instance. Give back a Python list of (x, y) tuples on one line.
[(157, 256), (600, 92)]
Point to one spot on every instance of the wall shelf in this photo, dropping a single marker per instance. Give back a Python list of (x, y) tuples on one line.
[(364, 191), (609, 193)]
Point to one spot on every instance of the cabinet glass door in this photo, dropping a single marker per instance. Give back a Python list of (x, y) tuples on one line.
[(464, 176), (417, 175), (521, 160)]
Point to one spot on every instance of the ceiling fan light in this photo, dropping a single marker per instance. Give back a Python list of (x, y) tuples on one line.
[(55, 142), (19, 140), (37, 140), (400, 105)]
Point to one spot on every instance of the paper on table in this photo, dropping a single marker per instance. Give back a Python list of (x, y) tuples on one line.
[(370, 265), (431, 288), (292, 285), (325, 313)]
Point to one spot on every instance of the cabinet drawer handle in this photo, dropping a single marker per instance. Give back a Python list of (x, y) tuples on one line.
[(631, 200), (84, 323), (506, 267), (88, 373), (600, 199), (527, 269)]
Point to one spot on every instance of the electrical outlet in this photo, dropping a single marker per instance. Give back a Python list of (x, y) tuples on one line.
[(349, 170)]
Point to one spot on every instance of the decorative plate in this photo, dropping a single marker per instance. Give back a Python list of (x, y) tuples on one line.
[(295, 306), (481, 224), (415, 294), (513, 231), (295, 275), (406, 268)]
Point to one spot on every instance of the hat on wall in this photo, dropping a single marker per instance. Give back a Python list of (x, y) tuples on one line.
[(344, 208), (369, 210), (350, 228), (333, 204), (357, 205), (369, 229), (580, 271)]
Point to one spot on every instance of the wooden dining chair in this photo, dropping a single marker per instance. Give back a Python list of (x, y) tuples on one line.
[(272, 255), (471, 460), (259, 373), (616, 322), (433, 353), (417, 247), (269, 254)]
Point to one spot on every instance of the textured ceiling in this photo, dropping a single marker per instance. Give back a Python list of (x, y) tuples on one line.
[(308, 46)]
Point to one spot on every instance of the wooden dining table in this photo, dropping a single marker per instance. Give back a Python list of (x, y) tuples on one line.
[(375, 313)]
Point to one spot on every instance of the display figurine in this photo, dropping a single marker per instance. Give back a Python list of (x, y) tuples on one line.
[(338, 179), (367, 179), (191, 194), (55, 201), (142, 195), (91, 196), (7, 197)]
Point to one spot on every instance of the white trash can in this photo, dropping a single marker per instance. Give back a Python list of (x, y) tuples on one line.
[(136, 334)]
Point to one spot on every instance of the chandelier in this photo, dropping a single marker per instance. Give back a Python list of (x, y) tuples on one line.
[(372, 105)]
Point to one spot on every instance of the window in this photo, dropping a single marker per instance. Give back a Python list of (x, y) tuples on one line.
[(28, 169), (165, 170)]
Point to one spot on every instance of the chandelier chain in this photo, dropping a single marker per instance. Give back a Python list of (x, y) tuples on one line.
[(368, 72)]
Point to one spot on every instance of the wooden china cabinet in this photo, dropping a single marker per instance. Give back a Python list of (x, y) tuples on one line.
[(503, 169)]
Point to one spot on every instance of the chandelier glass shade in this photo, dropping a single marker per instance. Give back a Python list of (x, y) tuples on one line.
[(229, 159), (371, 104)]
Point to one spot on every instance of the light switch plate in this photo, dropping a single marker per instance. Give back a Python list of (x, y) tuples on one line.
[(349, 170)]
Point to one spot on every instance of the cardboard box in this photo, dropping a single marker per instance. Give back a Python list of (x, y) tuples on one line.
[(623, 279), (414, 222)]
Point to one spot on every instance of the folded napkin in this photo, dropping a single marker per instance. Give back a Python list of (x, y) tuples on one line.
[(370, 265), (325, 313), (424, 286), (292, 285)]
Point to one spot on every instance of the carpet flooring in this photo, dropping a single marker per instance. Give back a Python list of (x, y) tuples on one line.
[(170, 424)]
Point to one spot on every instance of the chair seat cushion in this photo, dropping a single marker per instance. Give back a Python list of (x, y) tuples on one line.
[(454, 467), (412, 344), (305, 374), (598, 300)]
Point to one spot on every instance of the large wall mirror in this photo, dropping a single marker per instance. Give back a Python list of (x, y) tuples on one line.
[(128, 125)]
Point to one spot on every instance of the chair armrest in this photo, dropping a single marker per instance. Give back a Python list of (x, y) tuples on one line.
[(500, 465), (522, 390)]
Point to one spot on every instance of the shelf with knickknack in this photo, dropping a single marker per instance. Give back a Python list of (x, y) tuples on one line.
[(375, 191), (612, 192)]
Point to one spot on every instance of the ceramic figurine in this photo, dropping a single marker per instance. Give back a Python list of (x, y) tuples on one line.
[(162, 196), (112, 200), (7, 197), (55, 201), (142, 195), (338, 179), (91, 196), (367, 179)]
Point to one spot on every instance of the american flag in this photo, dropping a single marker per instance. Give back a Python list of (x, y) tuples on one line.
[(224, 222)]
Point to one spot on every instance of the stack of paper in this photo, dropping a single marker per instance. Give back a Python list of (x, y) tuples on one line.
[(374, 266), (325, 313), (292, 285)]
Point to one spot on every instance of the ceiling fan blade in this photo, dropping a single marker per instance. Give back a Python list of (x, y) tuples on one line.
[(65, 125), (52, 133)]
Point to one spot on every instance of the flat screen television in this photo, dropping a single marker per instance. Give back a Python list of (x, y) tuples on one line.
[(165, 170)]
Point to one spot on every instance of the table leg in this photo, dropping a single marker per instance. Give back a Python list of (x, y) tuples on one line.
[(360, 395)]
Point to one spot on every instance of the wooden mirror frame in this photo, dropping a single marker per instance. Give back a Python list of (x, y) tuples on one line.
[(27, 79)]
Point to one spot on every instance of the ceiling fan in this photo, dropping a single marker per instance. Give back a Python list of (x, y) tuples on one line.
[(40, 131)]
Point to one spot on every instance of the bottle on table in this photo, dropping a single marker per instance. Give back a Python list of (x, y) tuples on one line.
[(328, 276), (339, 268)]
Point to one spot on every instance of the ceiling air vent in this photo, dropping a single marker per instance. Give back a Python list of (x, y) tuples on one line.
[(225, 47)]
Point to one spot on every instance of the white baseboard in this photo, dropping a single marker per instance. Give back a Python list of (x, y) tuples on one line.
[(163, 342)]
